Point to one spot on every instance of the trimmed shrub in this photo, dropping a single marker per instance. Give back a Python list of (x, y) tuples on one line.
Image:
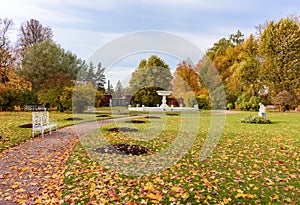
[(255, 120)]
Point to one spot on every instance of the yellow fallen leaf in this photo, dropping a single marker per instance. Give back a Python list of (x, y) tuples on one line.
[(287, 199), (207, 183), (21, 200), (152, 196), (15, 186), (240, 195), (275, 196), (8, 198), (20, 190), (249, 196), (175, 188), (149, 186), (185, 195), (38, 200), (226, 201), (253, 172), (255, 188)]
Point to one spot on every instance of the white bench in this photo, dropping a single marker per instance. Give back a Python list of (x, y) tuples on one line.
[(41, 122)]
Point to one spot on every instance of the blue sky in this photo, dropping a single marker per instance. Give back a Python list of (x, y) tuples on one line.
[(83, 26)]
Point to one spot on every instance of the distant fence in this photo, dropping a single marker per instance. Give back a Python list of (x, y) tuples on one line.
[(35, 108), (272, 107)]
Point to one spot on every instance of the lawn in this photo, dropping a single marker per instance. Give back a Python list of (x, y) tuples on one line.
[(251, 164), (12, 133)]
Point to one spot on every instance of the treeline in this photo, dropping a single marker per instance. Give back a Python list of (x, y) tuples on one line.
[(262, 68), (37, 70)]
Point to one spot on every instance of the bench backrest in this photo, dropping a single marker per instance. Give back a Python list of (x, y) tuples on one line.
[(40, 118)]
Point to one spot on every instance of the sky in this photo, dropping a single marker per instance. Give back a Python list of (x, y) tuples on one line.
[(85, 26)]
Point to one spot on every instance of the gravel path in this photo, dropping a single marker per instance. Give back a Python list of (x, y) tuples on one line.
[(32, 173)]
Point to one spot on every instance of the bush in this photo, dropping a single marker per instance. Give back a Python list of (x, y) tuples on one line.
[(284, 99), (255, 120), (147, 96), (230, 106), (247, 104), (203, 102)]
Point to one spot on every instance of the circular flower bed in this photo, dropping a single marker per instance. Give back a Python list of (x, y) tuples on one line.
[(123, 149), (122, 129), (152, 117), (74, 118), (136, 121), (29, 125)]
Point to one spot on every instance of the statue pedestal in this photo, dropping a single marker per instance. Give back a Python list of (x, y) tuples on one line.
[(164, 95)]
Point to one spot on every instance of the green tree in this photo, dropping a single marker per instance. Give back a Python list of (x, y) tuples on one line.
[(151, 72), (218, 48), (237, 39), (147, 96), (118, 92), (45, 59), (92, 74), (280, 52)]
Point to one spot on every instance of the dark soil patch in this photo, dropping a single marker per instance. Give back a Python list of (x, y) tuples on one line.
[(123, 129), (29, 125), (173, 114), (74, 118), (123, 149), (103, 115), (152, 117), (136, 121)]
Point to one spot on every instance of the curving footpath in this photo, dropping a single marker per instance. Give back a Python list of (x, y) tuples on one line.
[(32, 173)]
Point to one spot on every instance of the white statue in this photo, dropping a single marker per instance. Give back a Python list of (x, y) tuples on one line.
[(262, 111)]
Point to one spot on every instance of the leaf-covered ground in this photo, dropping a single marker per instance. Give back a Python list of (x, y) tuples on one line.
[(252, 164), (33, 172), (12, 133)]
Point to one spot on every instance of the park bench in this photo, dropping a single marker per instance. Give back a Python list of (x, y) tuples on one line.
[(41, 123)]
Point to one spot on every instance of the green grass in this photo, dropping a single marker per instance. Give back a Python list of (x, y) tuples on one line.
[(11, 134), (251, 164)]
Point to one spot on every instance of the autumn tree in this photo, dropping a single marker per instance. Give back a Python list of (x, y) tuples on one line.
[(32, 32), (151, 72), (14, 90), (6, 58), (51, 90), (280, 52), (209, 78), (284, 100), (244, 73), (83, 95), (185, 80), (223, 54)]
